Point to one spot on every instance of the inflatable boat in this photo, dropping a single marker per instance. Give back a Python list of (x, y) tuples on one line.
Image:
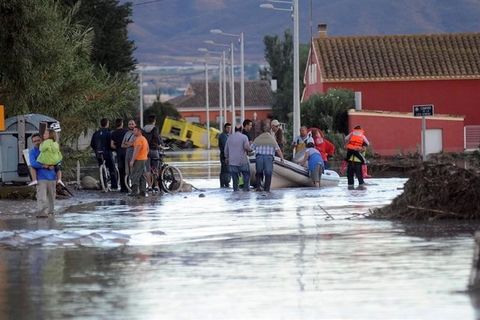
[(288, 174)]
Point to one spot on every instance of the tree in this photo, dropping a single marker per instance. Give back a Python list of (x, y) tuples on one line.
[(279, 55), (162, 110), (45, 68), (328, 111), (109, 21)]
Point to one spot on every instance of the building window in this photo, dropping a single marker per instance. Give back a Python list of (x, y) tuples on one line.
[(312, 73), (175, 131)]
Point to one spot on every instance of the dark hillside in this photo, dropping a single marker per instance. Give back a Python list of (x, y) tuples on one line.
[(170, 31)]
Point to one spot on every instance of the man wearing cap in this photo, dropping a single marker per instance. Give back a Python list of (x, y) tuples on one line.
[(277, 133), (265, 148)]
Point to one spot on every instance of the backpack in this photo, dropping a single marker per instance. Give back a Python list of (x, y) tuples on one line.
[(151, 137), (98, 141)]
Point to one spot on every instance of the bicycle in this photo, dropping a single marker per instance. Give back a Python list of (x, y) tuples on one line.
[(104, 174), (166, 177), (170, 177)]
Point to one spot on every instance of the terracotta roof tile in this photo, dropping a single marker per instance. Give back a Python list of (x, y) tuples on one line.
[(455, 55), (257, 94)]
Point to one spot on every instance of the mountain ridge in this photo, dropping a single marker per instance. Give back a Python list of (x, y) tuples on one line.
[(169, 32)]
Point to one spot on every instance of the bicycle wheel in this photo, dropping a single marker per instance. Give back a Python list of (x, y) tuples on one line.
[(104, 178), (171, 179), (128, 183), (117, 175)]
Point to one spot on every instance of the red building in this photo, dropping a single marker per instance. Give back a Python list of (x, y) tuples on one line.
[(192, 105), (394, 72)]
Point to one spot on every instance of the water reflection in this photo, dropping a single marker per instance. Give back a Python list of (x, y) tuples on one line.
[(292, 254)]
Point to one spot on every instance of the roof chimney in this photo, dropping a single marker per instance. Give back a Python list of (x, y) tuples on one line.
[(322, 30), (273, 85)]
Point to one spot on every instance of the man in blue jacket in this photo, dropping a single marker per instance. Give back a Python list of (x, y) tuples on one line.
[(224, 169), (101, 143), (46, 176)]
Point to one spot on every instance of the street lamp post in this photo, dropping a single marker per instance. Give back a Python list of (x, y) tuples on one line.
[(207, 102), (242, 67), (140, 78), (232, 88), (138, 71), (207, 96), (232, 79), (220, 96), (224, 78), (296, 68)]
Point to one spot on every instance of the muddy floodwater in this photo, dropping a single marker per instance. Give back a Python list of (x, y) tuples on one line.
[(215, 254)]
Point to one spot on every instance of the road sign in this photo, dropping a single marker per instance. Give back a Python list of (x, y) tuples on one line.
[(424, 110)]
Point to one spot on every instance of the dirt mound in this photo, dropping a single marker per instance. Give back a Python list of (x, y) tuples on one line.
[(436, 191)]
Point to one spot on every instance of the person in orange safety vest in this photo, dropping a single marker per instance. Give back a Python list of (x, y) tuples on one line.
[(355, 142)]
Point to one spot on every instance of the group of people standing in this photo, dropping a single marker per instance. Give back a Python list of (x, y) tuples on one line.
[(136, 154), (356, 143), (310, 149), (235, 149), (136, 151)]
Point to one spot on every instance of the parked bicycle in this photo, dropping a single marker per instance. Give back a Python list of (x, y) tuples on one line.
[(104, 174), (166, 177)]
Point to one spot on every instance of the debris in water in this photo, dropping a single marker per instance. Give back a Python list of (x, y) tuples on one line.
[(434, 192)]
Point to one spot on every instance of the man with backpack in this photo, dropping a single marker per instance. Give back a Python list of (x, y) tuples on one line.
[(150, 132)]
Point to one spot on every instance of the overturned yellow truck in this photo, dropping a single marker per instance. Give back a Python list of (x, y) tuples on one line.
[(187, 135)]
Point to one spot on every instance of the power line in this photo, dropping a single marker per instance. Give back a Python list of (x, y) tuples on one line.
[(145, 2)]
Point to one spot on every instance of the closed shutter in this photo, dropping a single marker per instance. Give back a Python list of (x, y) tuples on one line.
[(472, 137)]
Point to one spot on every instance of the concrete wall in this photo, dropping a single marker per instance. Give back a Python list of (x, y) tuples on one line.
[(455, 97), (396, 133)]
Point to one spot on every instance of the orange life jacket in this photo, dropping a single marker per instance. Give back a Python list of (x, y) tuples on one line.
[(356, 139)]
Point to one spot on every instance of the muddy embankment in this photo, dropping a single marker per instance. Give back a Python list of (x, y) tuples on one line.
[(447, 187)]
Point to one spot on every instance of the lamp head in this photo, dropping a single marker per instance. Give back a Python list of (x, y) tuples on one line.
[(216, 31), (266, 6)]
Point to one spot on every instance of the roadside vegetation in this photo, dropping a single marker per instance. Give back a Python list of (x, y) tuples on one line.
[(68, 59)]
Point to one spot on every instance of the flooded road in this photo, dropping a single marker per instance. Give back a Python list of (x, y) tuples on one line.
[(214, 254)]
